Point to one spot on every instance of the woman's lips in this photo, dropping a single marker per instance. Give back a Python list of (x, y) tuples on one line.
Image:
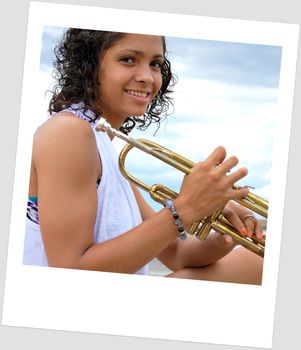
[(139, 95)]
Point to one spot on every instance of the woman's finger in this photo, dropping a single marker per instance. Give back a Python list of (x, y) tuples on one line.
[(216, 157), (250, 223), (259, 231), (253, 227), (237, 175), (227, 165), (235, 220), (238, 193)]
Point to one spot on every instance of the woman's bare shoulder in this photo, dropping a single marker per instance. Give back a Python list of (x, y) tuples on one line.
[(63, 123), (64, 134)]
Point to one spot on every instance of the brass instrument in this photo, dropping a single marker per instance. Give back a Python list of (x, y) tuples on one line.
[(160, 193)]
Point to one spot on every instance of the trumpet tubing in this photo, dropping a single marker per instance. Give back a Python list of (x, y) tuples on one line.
[(159, 193)]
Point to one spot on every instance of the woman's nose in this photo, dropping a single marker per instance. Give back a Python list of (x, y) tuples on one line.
[(144, 74)]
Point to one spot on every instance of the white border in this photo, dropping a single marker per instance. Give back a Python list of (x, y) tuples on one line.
[(136, 305)]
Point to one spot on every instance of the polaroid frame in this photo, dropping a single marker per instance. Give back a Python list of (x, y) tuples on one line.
[(150, 307)]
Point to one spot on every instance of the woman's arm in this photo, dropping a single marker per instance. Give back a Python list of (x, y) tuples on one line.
[(67, 164)]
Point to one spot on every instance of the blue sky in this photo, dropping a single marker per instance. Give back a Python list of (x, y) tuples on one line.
[(226, 95)]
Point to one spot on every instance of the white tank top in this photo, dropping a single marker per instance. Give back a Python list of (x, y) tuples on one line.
[(117, 210)]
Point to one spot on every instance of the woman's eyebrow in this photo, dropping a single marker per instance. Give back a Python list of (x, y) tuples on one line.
[(141, 53)]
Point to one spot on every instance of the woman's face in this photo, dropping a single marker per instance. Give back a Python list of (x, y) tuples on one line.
[(130, 76)]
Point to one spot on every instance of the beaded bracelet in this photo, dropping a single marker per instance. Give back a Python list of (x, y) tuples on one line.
[(168, 203)]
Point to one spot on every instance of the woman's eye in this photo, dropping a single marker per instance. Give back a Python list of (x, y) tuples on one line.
[(157, 64), (128, 60)]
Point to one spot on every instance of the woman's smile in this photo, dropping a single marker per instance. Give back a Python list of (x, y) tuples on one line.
[(139, 96)]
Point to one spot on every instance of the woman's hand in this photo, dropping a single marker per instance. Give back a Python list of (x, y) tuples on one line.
[(243, 220), (218, 245), (209, 187)]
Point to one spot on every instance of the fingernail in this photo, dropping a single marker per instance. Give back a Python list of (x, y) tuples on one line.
[(243, 231), (250, 234)]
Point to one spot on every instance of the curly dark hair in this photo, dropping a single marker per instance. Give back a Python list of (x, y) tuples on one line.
[(76, 73)]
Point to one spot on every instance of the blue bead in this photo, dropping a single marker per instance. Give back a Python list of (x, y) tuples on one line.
[(183, 235)]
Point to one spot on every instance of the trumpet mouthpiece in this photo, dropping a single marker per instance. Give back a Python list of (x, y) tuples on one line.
[(103, 125)]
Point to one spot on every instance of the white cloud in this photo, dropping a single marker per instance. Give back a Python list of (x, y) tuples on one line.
[(200, 99)]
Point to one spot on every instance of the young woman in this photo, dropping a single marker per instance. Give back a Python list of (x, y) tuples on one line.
[(82, 213)]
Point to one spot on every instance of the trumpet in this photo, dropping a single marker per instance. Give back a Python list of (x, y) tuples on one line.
[(160, 193)]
